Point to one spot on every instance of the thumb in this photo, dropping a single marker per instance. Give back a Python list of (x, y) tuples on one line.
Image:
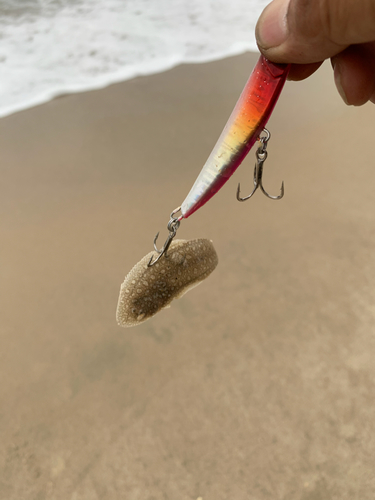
[(309, 31)]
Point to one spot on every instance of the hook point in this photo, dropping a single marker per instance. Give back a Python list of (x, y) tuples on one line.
[(155, 239), (239, 192)]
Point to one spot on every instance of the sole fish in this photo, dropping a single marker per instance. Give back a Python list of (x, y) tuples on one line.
[(147, 290)]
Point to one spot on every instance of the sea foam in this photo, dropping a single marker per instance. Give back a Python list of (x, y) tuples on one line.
[(53, 47)]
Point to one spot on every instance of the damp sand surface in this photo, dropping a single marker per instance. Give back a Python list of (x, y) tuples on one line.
[(260, 381)]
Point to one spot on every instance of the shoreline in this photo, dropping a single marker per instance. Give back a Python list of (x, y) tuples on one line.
[(107, 80)]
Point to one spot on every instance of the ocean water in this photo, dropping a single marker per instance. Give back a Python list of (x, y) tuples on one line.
[(52, 47)]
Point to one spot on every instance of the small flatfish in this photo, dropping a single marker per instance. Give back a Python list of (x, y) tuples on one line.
[(147, 290)]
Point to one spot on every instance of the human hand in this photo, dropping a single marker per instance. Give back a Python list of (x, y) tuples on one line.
[(306, 32)]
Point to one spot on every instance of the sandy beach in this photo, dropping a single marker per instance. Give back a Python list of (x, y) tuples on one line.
[(258, 384)]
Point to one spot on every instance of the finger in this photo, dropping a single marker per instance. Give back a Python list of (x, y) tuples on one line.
[(301, 71), (354, 71), (309, 31)]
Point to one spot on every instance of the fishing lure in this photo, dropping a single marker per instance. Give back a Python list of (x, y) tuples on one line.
[(152, 284), (244, 127)]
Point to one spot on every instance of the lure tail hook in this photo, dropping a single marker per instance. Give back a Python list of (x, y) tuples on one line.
[(173, 225), (261, 156)]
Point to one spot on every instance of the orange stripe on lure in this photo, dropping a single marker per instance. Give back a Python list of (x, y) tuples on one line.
[(248, 119), (244, 126)]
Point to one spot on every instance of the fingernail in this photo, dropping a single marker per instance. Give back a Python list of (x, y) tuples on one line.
[(272, 29), (337, 77)]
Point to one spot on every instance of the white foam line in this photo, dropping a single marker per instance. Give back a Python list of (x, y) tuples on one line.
[(105, 80)]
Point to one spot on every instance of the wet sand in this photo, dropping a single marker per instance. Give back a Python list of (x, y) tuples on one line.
[(258, 384)]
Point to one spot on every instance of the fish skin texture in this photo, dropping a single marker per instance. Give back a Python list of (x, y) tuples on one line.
[(147, 290)]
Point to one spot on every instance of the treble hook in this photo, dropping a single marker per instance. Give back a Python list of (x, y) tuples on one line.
[(173, 225), (261, 155)]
